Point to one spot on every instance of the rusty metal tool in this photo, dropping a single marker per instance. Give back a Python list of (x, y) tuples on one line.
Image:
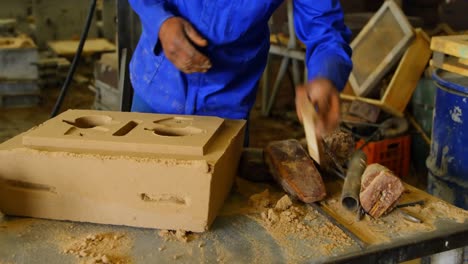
[(420, 202), (293, 169), (410, 217)]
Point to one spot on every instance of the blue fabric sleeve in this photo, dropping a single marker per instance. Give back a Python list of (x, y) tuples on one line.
[(152, 15), (320, 26)]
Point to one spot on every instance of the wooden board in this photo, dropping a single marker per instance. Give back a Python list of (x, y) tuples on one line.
[(21, 42), (408, 74), (405, 79), (68, 48), (449, 63), (309, 117), (283, 40), (378, 47), (451, 53), (456, 46), (369, 231)]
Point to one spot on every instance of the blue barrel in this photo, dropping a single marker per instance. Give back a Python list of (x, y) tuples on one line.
[(448, 159)]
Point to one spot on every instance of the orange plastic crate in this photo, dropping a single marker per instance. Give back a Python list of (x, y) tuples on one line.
[(392, 153)]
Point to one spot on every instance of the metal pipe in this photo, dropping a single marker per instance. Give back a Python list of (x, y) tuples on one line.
[(352, 183)]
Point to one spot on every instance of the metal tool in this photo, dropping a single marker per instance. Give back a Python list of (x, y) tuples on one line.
[(409, 217), (352, 182), (420, 202)]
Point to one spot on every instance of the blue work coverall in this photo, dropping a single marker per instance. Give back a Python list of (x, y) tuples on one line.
[(238, 43)]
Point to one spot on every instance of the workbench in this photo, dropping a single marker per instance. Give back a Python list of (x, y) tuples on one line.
[(240, 234)]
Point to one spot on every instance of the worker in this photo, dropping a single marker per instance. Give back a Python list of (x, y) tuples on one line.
[(205, 57)]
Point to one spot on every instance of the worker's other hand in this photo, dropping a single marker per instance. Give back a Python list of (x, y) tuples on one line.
[(178, 39), (324, 96)]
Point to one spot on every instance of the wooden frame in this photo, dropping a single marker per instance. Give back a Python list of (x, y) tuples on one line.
[(451, 53), (364, 88), (405, 79)]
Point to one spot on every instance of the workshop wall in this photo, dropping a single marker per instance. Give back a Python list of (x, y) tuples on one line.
[(44, 20), (19, 10)]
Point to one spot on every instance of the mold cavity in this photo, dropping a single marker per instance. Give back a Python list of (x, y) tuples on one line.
[(163, 198), (30, 186), (126, 129), (176, 122), (176, 132), (90, 121)]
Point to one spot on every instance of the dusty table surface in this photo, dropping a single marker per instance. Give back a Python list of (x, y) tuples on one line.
[(249, 230)]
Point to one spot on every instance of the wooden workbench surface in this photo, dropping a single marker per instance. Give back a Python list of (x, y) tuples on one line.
[(248, 230)]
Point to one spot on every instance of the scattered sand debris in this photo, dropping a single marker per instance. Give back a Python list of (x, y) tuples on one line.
[(284, 203), (261, 200), (107, 248), (179, 235), (285, 219)]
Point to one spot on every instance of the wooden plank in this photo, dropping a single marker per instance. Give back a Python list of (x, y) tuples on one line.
[(364, 110), (463, 61), (309, 117), (452, 65), (348, 90), (408, 73), (375, 235), (21, 42), (375, 102), (378, 47), (283, 40), (68, 48), (451, 45)]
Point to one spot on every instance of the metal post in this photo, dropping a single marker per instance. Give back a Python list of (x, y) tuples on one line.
[(128, 32)]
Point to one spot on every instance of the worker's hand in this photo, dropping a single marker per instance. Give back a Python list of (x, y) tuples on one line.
[(324, 96), (178, 38)]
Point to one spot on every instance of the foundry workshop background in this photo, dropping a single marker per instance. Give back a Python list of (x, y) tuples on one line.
[(41, 37)]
